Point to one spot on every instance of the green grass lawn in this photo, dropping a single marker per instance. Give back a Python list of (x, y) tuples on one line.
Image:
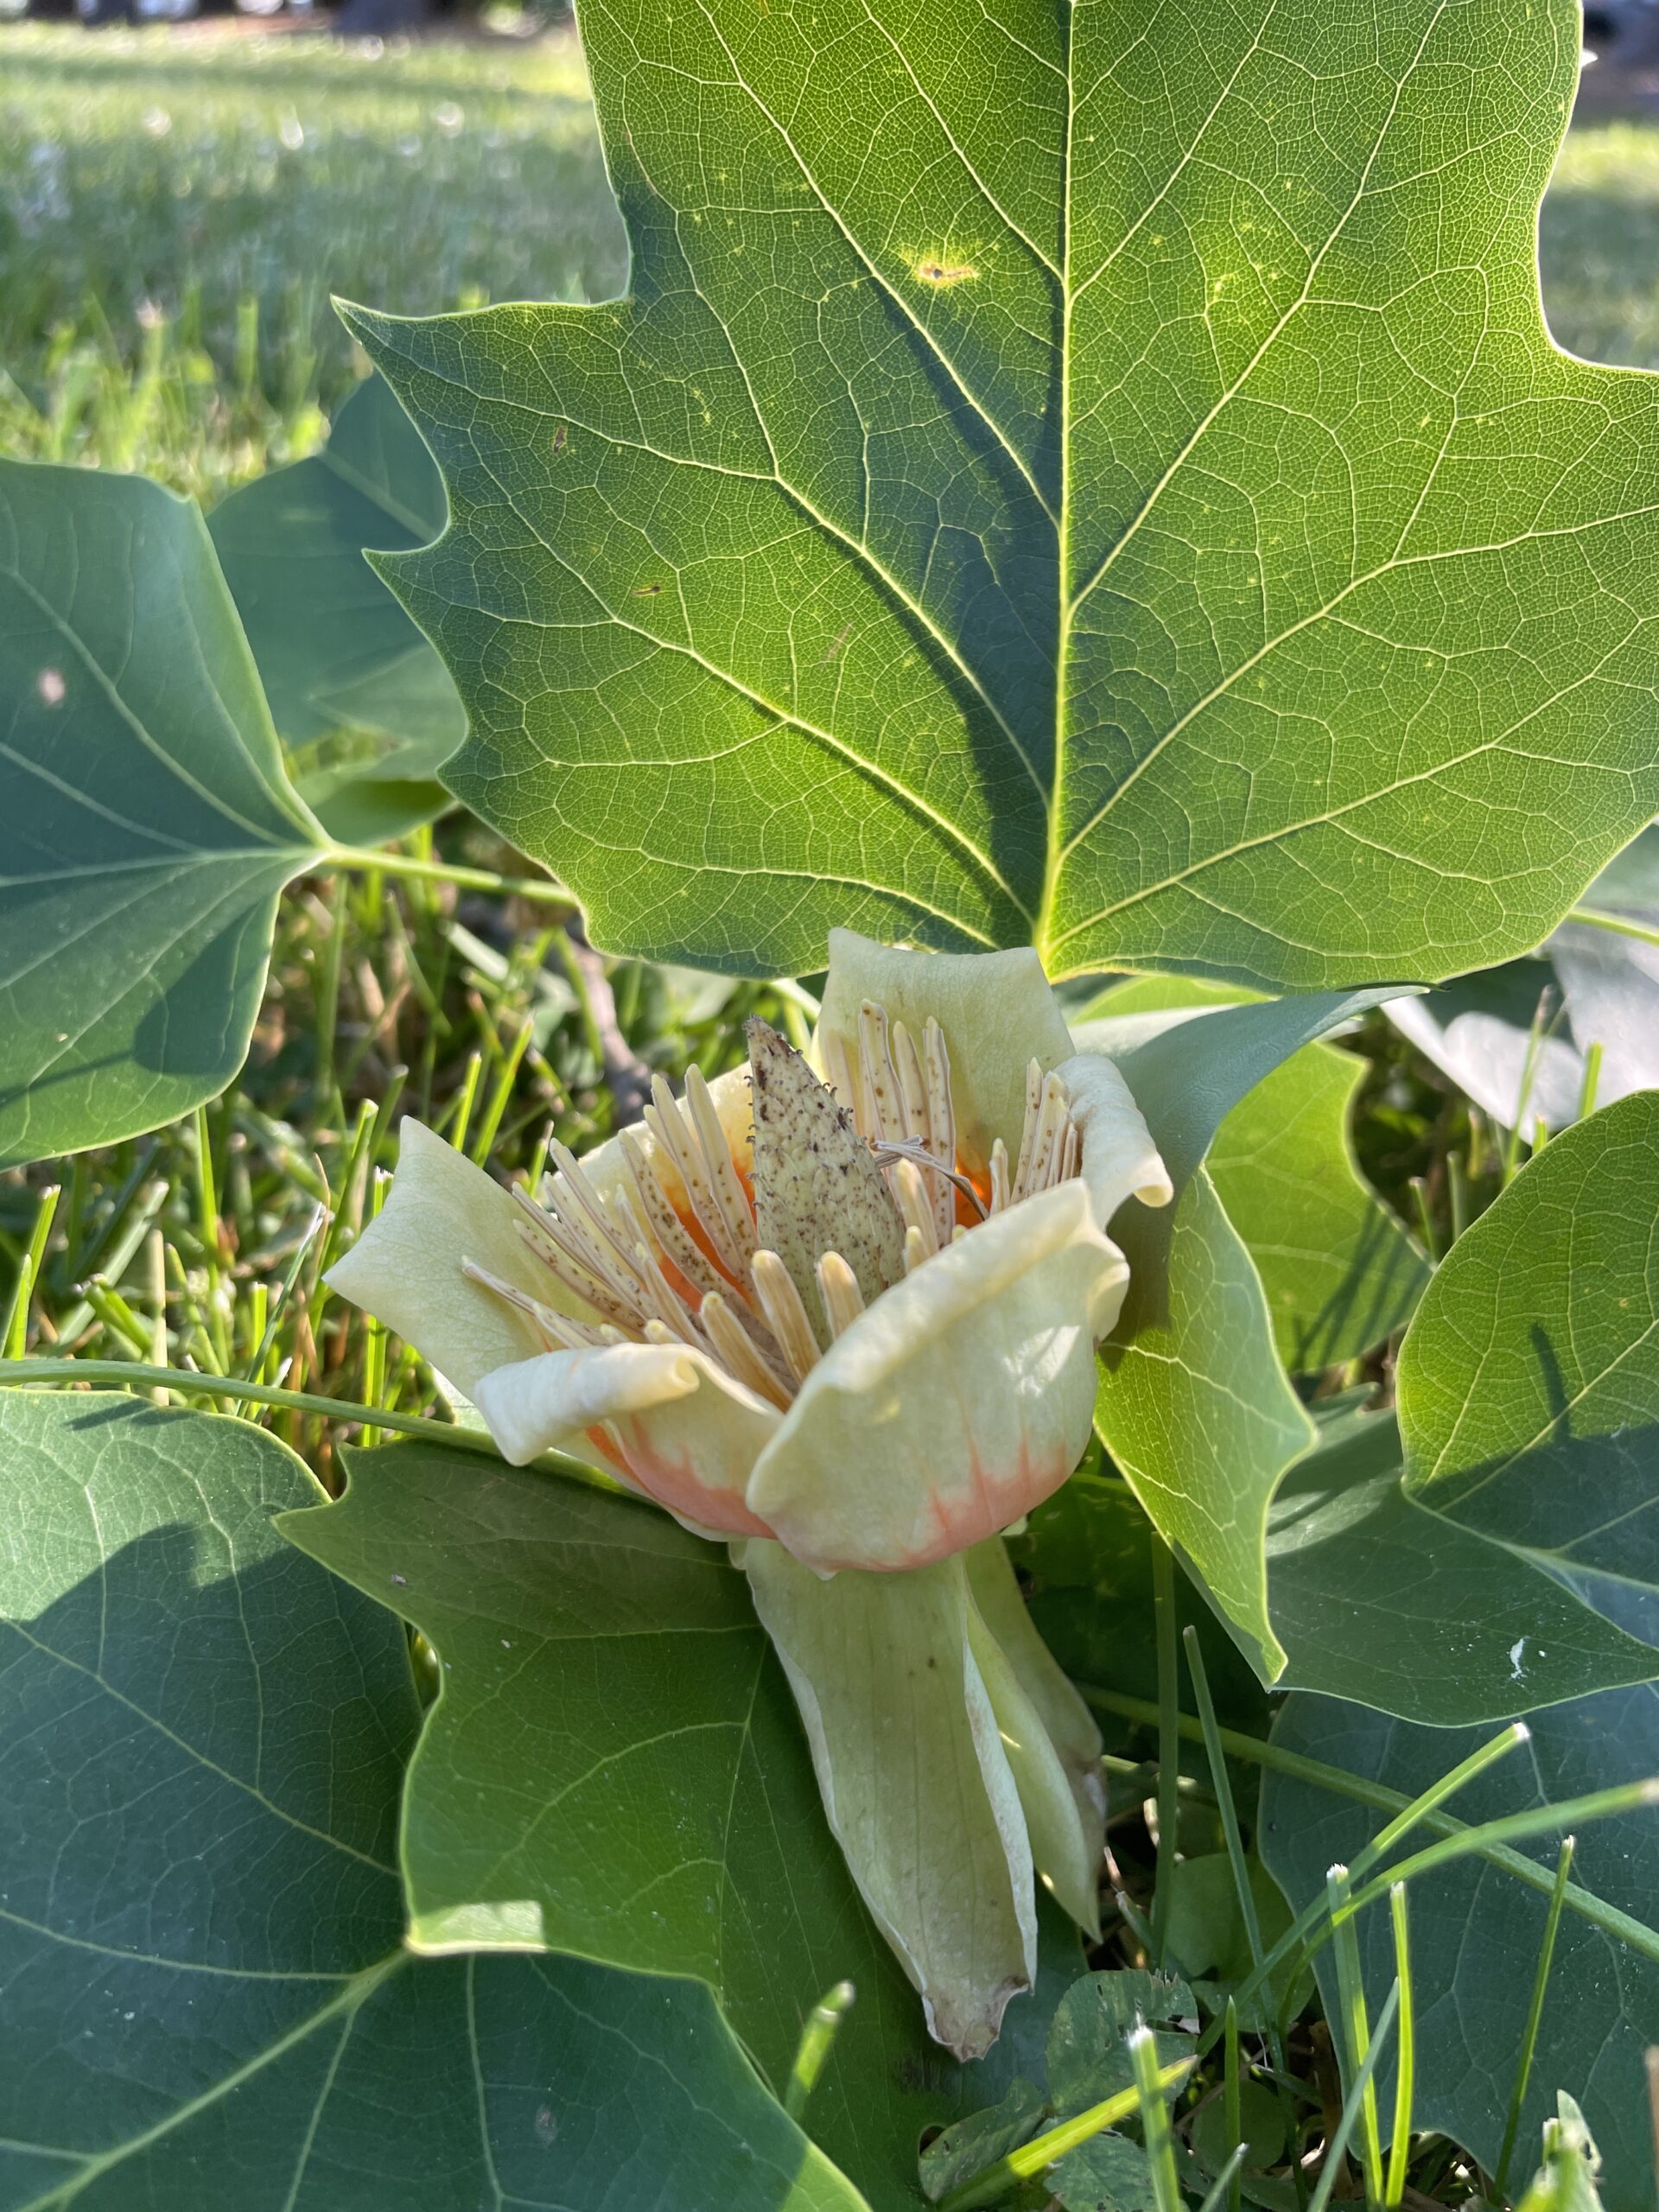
[(176, 208)]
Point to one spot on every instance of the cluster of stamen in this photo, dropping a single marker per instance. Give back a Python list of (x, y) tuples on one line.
[(670, 1254)]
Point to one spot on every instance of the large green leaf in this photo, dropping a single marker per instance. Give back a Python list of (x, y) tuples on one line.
[(146, 825), (1530, 1381), (207, 2003), (336, 652), (1377, 1600), (1088, 476), (615, 1769), (1476, 1930)]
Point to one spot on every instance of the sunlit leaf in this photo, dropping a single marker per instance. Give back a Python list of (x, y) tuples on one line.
[(1084, 477)]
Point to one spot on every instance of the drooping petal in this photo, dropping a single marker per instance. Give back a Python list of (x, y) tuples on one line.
[(662, 1417), (957, 1402), (1120, 1160), (1068, 1839), (916, 1782), (405, 1267), (996, 1008)]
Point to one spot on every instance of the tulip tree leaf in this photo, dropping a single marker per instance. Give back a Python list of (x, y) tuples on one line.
[(1082, 477), (1194, 1405), (1528, 1385), (615, 1769), (207, 2003), (336, 652), (146, 823), (1339, 1272), (1476, 1929), (1378, 1600)]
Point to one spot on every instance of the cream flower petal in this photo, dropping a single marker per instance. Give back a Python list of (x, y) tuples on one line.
[(1120, 1160), (405, 1267), (963, 1397), (916, 1782), (1068, 1851), (996, 1008), (662, 1416)]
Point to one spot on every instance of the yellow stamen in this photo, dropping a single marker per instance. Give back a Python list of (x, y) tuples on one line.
[(668, 1125), (843, 1301), (657, 1214), (563, 1331), (546, 1238), (880, 1084), (915, 1202), (785, 1315), (1029, 1133), (1002, 1199), (915, 1249), (740, 1355), (727, 1190), (941, 1121)]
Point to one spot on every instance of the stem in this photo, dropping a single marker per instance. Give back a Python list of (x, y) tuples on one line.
[(1406, 2060), (540, 888), (1596, 920), (1535, 2016), (129, 1373), (1339, 2143), (1641, 1939), (1169, 1740)]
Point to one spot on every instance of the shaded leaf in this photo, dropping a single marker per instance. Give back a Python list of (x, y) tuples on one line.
[(207, 2003), (615, 1769), (966, 2149), (1528, 1385), (335, 650), (1088, 2044), (146, 823), (1110, 2173), (1379, 1601), (1338, 1271), (1112, 487), (1476, 1930), (1194, 1404)]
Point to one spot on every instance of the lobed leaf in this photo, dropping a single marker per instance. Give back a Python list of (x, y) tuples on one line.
[(208, 1999), (1085, 478), (615, 1770), (146, 823)]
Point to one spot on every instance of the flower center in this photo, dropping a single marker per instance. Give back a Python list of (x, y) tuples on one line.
[(664, 1249)]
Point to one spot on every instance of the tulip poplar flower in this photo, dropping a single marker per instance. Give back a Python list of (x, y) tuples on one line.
[(842, 1316)]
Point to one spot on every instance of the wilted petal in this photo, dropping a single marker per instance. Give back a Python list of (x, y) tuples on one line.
[(996, 1008), (661, 1416), (957, 1402), (1120, 1160), (1068, 1832), (405, 1267), (916, 1782)]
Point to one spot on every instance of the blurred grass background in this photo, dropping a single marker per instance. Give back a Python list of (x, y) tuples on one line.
[(177, 206)]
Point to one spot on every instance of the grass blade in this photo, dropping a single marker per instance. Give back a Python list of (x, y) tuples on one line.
[(1535, 2012), (1405, 2059), (1339, 2143)]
